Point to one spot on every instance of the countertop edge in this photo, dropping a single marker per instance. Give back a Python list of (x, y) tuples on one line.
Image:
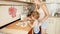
[(8, 24)]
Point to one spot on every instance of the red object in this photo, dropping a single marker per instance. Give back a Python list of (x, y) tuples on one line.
[(12, 11), (30, 32)]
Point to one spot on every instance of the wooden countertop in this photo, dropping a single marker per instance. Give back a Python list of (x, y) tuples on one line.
[(16, 27)]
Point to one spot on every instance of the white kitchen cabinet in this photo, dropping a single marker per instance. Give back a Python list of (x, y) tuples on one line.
[(58, 26), (53, 26)]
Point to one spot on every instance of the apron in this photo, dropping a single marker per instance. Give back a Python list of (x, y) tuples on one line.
[(36, 28)]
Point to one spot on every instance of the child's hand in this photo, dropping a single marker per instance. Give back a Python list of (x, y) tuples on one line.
[(33, 18), (40, 24)]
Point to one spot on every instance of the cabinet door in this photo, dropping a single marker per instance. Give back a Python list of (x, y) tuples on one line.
[(51, 26), (58, 26)]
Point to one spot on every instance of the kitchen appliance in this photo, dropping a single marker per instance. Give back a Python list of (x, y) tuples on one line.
[(57, 13)]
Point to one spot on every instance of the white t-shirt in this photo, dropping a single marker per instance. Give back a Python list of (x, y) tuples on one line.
[(36, 28), (42, 14)]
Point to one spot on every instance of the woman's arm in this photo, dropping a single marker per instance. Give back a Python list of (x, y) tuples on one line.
[(44, 7)]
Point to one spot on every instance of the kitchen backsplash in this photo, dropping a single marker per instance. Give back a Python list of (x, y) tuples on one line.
[(53, 8)]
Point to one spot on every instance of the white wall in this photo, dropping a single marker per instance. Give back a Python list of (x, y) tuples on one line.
[(5, 18), (52, 8), (50, 1), (58, 1)]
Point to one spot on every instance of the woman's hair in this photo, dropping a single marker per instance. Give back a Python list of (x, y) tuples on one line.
[(38, 5), (34, 0)]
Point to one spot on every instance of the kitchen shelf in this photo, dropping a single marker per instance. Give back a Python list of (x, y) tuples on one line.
[(51, 2), (18, 1), (21, 4), (14, 3)]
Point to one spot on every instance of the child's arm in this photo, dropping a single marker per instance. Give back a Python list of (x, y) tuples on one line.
[(31, 23)]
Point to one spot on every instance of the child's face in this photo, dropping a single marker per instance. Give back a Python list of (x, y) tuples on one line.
[(35, 15)]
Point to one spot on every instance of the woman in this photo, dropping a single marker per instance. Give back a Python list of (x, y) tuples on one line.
[(43, 23)]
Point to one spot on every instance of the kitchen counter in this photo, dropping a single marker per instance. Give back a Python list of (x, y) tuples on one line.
[(53, 17), (15, 29)]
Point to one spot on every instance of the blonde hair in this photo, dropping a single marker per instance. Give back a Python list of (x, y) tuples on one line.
[(34, 0), (37, 5)]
